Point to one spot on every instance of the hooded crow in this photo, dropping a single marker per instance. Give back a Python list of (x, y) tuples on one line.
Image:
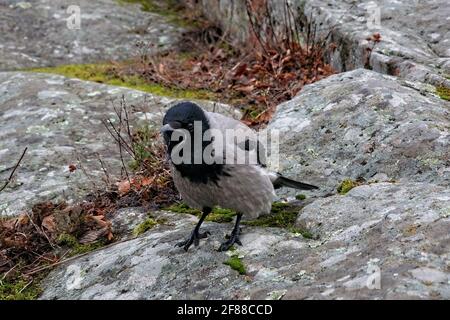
[(208, 172)]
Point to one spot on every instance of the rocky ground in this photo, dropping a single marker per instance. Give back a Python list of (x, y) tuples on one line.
[(388, 137), (39, 33), (60, 121), (398, 232), (415, 37)]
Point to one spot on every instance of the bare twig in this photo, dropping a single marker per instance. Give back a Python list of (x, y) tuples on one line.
[(108, 180), (14, 170), (26, 286), (40, 230)]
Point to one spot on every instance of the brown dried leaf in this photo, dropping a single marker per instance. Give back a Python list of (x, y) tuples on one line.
[(240, 70), (124, 187), (246, 89), (49, 224), (93, 235)]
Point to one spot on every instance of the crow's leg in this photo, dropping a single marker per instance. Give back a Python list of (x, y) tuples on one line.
[(195, 235), (234, 236)]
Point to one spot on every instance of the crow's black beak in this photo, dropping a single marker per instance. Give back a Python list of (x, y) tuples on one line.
[(166, 132)]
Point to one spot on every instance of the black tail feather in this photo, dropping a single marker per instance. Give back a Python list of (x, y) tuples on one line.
[(281, 181)]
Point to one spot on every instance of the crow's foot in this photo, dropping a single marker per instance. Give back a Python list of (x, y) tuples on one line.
[(193, 239), (232, 239)]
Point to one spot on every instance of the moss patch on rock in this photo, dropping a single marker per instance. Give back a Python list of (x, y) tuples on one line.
[(347, 185), (283, 215), (148, 224), (303, 232), (183, 208), (20, 289), (443, 93), (218, 214), (101, 73), (170, 9), (300, 197), (76, 247), (236, 263)]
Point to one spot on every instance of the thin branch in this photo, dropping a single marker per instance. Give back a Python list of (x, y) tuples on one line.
[(40, 230), (14, 170), (108, 180)]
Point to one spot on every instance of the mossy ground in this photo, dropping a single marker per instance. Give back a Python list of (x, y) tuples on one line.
[(283, 215), (218, 214), (443, 93), (236, 263), (20, 289), (347, 185), (102, 73), (76, 247), (300, 197), (147, 224), (170, 9)]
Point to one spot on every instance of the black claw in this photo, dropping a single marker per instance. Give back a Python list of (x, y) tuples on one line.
[(233, 238), (193, 239)]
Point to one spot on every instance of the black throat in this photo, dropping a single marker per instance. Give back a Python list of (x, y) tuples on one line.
[(185, 114), (201, 172)]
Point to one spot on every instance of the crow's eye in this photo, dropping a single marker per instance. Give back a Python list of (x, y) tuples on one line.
[(190, 126)]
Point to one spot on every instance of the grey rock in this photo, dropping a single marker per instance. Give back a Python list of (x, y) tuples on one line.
[(362, 124), (414, 36), (373, 230), (39, 33), (59, 120), (125, 220)]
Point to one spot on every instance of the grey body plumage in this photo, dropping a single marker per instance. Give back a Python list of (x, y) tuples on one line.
[(247, 188)]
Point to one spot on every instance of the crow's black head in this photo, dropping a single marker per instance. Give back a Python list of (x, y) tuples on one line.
[(182, 116)]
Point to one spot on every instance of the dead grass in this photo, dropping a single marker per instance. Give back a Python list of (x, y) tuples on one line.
[(271, 68)]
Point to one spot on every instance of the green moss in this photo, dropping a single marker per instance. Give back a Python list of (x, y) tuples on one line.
[(235, 263), (346, 186), (148, 224), (304, 233), (184, 208), (76, 247), (221, 215), (20, 289), (443, 93), (101, 73), (218, 214), (166, 8), (67, 240), (300, 197), (283, 215), (90, 72)]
